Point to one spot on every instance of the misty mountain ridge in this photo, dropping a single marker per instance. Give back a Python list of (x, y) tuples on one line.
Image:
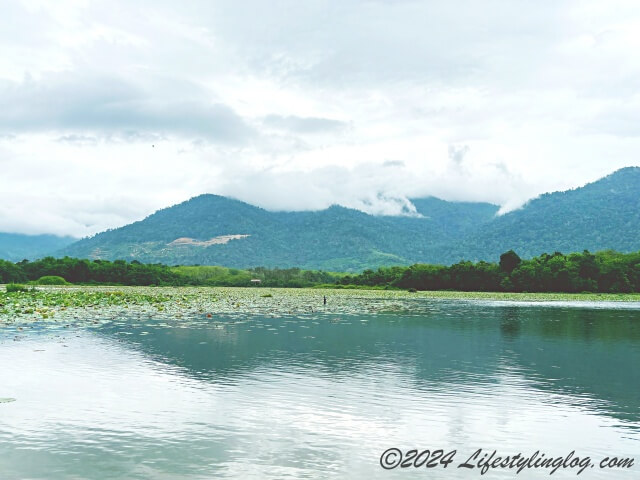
[(18, 246), (211, 229)]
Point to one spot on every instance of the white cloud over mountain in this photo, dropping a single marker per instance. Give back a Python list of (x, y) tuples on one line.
[(111, 110)]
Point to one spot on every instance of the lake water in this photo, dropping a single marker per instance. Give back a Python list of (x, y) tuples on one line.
[(321, 395)]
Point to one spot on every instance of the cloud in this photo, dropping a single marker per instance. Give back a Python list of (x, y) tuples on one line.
[(303, 125), (110, 111), (108, 105), (457, 154), (617, 120), (353, 44), (372, 188), (80, 140), (393, 163)]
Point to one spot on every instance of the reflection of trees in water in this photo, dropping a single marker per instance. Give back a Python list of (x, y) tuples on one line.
[(510, 322), (592, 354)]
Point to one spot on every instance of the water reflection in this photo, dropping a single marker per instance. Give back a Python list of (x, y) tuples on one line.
[(318, 396), (572, 351)]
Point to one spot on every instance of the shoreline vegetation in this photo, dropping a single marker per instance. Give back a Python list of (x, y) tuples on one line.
[(70, 291), (601, 272), (88, 305)]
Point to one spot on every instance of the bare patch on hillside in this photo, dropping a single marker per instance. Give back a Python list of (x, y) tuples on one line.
[(97, 254), (221, 240)]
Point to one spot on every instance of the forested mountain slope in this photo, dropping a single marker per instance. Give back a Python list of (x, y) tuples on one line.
[(211, 229)]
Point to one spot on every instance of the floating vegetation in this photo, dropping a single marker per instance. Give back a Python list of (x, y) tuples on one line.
[(100, 304)]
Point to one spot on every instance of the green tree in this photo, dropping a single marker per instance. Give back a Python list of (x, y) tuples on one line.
[(509, 261)]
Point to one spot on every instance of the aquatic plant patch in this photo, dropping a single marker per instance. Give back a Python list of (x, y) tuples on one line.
[(102, 304)]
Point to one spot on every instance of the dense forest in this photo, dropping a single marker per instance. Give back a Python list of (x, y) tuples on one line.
[(606, 271), (50, 271), (75, 270)]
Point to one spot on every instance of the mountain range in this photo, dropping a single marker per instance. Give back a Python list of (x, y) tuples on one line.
[(214, 230), (17, 246)]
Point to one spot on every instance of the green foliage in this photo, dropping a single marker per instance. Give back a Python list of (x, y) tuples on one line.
[(291, 277), (77, 270), (16, 287), (11, 273), (51, 280), (54, 271), (604, 272), (268, 277), (509, 261), (214, 275)]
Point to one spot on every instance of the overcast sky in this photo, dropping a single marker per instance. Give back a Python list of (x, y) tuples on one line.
[(111, 110)]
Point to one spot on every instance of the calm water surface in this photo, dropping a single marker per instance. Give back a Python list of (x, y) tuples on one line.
[(321, 396)]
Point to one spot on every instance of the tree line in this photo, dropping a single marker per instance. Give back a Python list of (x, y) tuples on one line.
[(120, 272), (75, 270), (606, 271)]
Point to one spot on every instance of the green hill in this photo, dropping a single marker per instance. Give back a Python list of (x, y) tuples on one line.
[(601, 215), (214, 230)]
